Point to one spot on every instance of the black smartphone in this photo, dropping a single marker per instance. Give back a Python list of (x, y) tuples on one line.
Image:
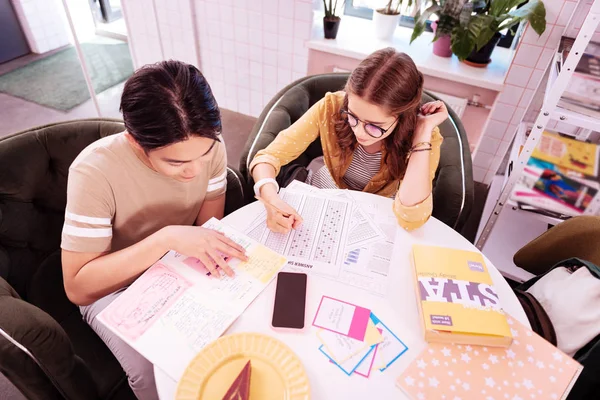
[(290, 301)]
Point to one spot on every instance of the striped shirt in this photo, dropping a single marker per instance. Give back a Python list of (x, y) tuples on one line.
[(363, 167)]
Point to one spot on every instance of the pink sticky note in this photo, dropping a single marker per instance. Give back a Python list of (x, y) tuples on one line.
[(342, 317)]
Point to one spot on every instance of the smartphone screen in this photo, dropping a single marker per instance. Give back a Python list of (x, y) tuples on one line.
[(290, 300)]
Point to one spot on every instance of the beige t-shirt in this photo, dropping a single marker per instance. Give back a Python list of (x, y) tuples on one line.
[(114, 200)]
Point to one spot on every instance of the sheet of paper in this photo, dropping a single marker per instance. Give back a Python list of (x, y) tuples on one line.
[(318, 245), (342, 317), (363, 229), (196, 322), (350, 365), (366, 366), (176, 304), (339, 347), (390, 349), (371, 227), (301, 186), (143, 303)]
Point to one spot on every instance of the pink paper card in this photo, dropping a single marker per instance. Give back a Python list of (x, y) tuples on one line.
[(341, 317), (366, 366)]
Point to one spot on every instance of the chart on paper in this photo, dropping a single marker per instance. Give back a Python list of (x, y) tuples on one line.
[(318, 245), (363, 230), (366, 259)]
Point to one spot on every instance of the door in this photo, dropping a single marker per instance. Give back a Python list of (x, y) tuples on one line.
[(13, 43)]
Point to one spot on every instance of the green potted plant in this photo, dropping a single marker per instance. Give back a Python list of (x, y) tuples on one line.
[(386, 19), (331, 21), (475, 38), (449, 14)]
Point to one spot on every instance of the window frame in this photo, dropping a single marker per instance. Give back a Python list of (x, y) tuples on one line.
[(367, 13), (409, 22)]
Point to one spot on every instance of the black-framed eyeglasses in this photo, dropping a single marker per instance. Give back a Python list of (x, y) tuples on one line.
[(371, 129)]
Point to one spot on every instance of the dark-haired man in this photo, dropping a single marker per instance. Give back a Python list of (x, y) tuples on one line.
[(135, 195)]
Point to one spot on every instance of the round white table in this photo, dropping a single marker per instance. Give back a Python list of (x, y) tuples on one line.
[(398, 310)]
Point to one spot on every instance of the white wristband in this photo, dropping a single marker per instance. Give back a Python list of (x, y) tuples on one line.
[(263, 182)]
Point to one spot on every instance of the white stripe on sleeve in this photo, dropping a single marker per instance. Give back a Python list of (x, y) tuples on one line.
[(87, 232), (217, 186), (88, 220), (218, 178)]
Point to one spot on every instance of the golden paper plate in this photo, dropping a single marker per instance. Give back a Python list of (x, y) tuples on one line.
[(277, 373)]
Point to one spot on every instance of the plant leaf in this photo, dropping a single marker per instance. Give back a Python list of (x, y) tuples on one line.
[(534, 12), (417, 31), (481, 29), (421, 20), (445, 25), (462, 42), (465, 14)]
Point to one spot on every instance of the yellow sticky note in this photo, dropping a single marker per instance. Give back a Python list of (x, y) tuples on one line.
[(263, 263), (372, 335)]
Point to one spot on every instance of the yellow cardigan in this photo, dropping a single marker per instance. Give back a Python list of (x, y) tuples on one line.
[(319, 120)]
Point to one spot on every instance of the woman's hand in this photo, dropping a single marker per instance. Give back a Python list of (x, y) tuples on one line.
[(432, 114), (281, 217), (206, 245)]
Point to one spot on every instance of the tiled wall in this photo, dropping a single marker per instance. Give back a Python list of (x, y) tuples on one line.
[(529, 64), (44, 24), (247, 49)]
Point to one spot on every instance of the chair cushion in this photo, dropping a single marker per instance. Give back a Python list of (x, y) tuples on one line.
[(34, 167), (33, 175)]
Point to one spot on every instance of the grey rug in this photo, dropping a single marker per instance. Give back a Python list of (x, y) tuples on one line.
[(57, 81)]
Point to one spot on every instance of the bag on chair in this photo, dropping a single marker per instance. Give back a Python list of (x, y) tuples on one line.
[(563, 306)]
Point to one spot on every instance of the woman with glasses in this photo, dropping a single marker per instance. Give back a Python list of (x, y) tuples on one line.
[(376, 138)]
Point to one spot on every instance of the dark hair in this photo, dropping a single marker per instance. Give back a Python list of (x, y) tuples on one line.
[(167, 102), (391, 80)]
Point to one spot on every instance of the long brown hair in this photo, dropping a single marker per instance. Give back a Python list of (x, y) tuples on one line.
[(388, 79)]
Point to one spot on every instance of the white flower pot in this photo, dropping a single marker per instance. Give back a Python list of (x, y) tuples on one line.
[(385, 25)]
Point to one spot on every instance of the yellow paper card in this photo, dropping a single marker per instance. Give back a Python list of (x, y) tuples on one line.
[(372, 335)]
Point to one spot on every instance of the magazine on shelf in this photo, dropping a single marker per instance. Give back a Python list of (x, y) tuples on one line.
[(551, 190), (582, 95), (568, 153)]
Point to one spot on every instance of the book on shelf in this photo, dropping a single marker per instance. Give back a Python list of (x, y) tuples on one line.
[(456, 298), (552, 190), (582, 95), (568, 153)]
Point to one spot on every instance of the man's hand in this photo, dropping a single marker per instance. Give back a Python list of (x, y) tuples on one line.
[(206, 245)]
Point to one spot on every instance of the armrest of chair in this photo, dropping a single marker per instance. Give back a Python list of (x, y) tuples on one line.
[(237, 189), (575, 237), (36, 354)]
